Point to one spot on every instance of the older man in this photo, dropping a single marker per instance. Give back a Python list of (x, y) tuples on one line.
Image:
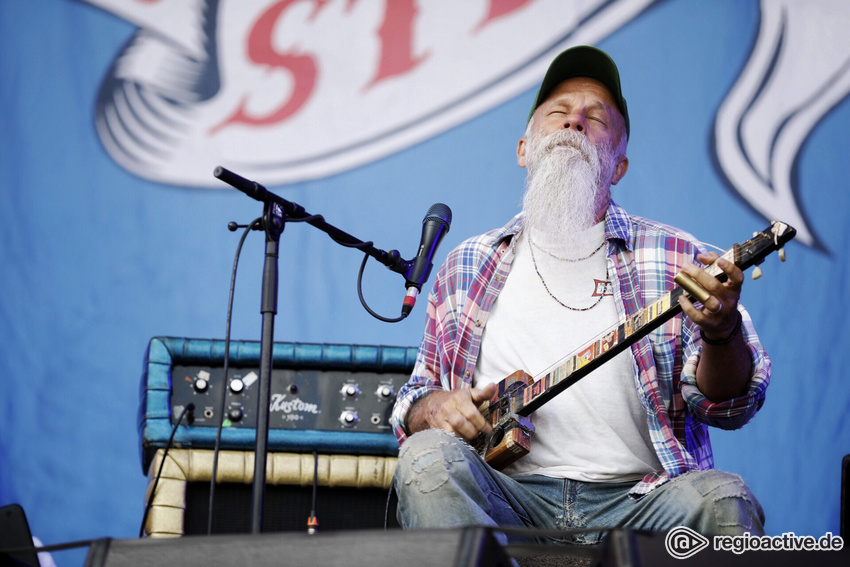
[(628, 445)]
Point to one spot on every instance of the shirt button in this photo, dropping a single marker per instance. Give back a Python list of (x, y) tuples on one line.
[(478, 323)]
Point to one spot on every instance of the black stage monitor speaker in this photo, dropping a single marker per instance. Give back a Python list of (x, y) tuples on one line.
[(15, 534), (467, 547)]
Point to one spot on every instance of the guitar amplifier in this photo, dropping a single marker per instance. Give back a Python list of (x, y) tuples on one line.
[(327, 398)]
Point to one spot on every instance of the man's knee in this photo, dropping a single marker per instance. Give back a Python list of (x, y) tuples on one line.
[(727, 506), (439, 482), (427, 458)]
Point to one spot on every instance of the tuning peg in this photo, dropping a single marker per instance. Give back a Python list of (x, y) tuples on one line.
[(757, 273), (782, 254)]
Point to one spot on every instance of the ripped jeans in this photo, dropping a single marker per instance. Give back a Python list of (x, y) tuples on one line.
[(442, 482)]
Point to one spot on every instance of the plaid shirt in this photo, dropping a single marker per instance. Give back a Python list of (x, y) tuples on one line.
[(646, 256)]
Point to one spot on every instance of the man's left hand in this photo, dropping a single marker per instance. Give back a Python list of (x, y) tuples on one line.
[(718, 318)]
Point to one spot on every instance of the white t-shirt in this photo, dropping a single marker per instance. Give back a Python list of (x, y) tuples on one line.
[(595, 430)]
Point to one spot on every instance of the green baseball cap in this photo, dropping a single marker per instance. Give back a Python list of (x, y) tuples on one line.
[(583, 61)]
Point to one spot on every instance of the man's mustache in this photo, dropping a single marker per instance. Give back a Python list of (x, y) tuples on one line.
[(568, 139)]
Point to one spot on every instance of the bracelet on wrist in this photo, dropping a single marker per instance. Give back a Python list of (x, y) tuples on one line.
[(727, 340)]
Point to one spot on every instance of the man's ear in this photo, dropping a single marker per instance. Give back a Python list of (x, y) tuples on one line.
[(520, 152), (620, 169)]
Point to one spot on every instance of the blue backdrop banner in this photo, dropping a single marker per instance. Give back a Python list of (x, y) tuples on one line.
[(113, 229)]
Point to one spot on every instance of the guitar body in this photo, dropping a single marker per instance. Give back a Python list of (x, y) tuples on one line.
[(510, 439)]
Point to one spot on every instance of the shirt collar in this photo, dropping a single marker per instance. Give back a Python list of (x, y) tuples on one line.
[(618, 225), (507, 232)]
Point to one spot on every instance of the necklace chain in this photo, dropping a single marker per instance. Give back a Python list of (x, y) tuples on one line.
[(552, 295), (598, 248)]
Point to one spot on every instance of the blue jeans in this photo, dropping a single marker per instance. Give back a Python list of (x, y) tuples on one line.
[(442, 482)]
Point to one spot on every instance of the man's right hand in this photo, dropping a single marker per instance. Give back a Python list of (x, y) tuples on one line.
[(455, 412)]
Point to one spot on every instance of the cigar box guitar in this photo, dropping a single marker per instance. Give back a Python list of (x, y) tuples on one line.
[(519, 395)]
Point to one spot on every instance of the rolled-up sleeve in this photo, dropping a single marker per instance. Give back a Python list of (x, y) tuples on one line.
[(736, 412), (424, 379)]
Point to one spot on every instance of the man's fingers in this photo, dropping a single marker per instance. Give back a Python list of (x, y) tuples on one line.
[(713, 305), (458, 413), (734, 275), (708, 257), (468, 408), (479, 395), (703, 278), (467, 431)]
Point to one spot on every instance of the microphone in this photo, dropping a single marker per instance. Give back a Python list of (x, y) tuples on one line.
[(435, 225)]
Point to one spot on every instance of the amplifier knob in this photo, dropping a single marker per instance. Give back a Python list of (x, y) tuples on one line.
[(348, 418), (235, 414), (201, 385), (385, 391), (237, 385), (350, 390)]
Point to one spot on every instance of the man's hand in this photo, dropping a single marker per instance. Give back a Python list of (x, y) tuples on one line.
[(718, 317), (724, 370), (455, 412)]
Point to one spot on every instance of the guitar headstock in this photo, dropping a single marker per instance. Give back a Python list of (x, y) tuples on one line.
[(744, 255), (762, 244)]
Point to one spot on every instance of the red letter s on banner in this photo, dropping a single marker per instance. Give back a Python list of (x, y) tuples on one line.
[(261, 51)]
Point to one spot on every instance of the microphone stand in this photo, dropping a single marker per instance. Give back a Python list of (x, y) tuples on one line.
[(276, 211), (273, 224)]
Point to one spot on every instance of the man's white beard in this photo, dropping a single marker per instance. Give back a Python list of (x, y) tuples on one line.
[(568, 178)]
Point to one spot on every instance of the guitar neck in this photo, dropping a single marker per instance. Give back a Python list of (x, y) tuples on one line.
[(599, 351)]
